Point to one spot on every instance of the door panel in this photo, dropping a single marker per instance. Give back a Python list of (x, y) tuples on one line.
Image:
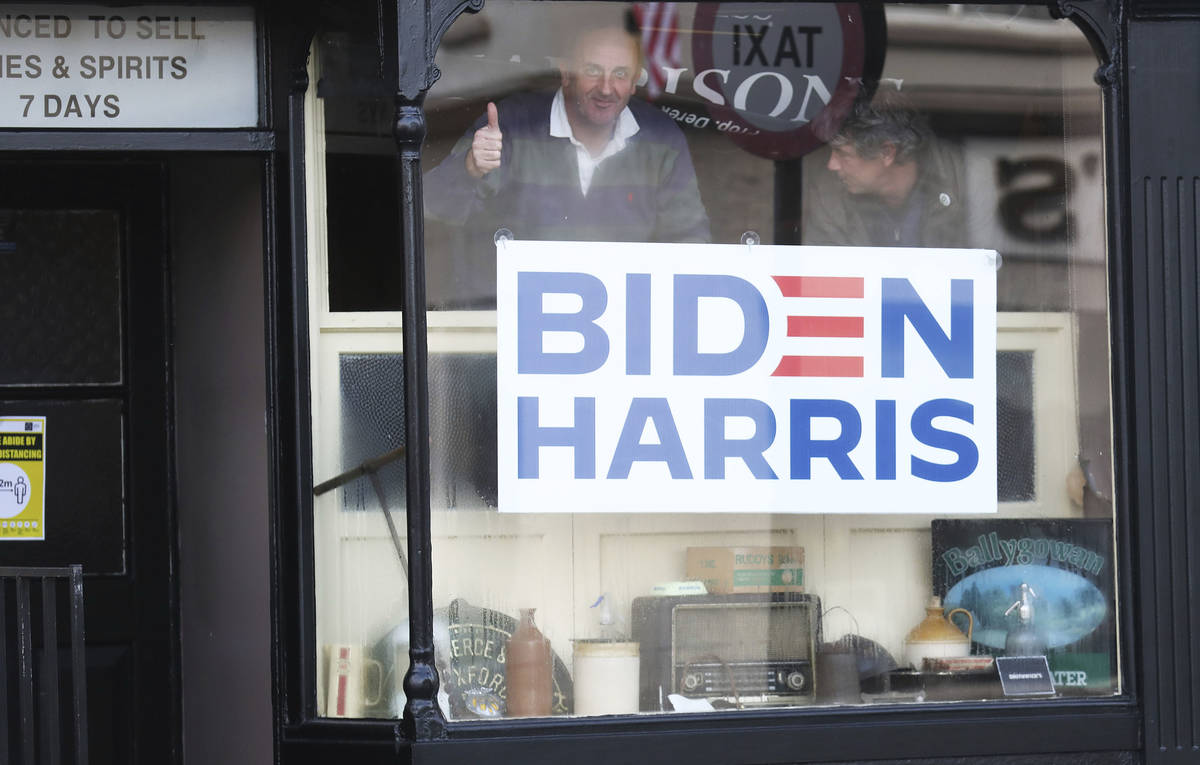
[(42, 262), (85, 335)]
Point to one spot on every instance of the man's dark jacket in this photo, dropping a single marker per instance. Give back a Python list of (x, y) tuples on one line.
[(646, 192), (832, 215)]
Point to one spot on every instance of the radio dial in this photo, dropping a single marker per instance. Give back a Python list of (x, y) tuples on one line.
[(795, 681)]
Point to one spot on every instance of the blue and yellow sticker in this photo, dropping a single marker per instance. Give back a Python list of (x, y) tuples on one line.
[(22, 478)]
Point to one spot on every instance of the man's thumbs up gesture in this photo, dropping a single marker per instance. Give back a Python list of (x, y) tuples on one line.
[(484, 156)]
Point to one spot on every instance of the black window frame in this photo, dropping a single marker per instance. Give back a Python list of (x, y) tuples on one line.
[(1100, 730)]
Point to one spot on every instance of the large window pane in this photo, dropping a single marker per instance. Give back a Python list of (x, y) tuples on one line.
[(920, 127)]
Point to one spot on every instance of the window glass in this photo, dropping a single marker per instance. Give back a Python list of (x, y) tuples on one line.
[(39, 250), (697, 141)]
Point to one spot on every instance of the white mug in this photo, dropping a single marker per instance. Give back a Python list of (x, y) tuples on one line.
[(350, 671)]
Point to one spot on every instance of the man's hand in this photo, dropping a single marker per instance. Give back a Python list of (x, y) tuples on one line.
[(484, 156)]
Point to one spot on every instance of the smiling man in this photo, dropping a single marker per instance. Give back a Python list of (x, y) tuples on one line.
[(587, 162)]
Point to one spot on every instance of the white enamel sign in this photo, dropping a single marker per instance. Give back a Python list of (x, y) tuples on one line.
[(79, 66), (730, 378)]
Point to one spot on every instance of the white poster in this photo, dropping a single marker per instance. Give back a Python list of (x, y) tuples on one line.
[(80, 66), (737, 378)]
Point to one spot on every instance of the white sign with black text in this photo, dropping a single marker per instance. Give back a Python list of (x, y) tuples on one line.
[(79, 66), (735, 378)]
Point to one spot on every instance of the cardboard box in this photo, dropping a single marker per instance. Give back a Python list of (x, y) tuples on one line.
[(728, 570)]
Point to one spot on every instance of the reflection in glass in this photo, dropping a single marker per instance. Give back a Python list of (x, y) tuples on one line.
[(907, 126)]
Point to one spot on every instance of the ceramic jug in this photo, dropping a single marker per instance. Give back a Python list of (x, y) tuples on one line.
[(937, 637)]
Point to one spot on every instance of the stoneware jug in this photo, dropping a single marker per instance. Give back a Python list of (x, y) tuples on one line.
[(528, 670), (937, 637)]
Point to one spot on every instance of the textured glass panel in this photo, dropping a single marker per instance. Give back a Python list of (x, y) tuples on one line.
[(462, 424), (372, 404), (60, 317), (1015, 440)]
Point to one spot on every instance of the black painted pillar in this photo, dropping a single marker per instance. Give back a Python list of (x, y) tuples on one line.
[(423, 720), (1164, 293)]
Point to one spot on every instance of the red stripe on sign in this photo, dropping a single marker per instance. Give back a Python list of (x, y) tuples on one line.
[(825, 326), (820, 286), (819, 366), (343, 679)]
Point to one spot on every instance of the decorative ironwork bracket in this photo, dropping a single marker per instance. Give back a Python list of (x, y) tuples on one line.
[(1102, 22), (420, 26)]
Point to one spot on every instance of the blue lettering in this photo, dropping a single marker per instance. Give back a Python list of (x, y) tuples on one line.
[(637, 324), (924, 431), (717, 448), (837, 450), (954, 352), (531, 436), (533, 323), (630, 449), (885, 440), (689, 288)]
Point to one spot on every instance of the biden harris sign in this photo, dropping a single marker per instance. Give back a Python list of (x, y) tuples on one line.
[(745, 378)]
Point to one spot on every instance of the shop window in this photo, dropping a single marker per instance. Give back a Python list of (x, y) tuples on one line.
[(952, 132)]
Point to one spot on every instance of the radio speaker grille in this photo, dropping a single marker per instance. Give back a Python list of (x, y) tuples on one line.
[(743, 632)]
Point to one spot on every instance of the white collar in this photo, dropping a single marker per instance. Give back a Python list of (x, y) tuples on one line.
[(560, 127)]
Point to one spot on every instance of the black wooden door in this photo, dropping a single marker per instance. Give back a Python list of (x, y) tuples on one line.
[(84, 339)]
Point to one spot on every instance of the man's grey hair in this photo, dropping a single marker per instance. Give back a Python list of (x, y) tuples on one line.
[(886, 118)]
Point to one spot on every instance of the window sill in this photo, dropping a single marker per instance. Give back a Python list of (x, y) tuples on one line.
[(769, 736)]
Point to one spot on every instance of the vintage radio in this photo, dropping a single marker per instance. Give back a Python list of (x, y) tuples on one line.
[(743, 649)]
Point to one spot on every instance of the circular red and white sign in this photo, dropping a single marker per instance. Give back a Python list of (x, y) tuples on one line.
[(779, 78)]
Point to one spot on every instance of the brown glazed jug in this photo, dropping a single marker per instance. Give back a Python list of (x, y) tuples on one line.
[(937, 637), (528, 669)]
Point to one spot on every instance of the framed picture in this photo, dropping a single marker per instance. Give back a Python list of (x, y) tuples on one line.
[(1035, 586)]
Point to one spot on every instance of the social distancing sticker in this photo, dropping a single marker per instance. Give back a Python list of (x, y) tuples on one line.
[(22, 478)]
